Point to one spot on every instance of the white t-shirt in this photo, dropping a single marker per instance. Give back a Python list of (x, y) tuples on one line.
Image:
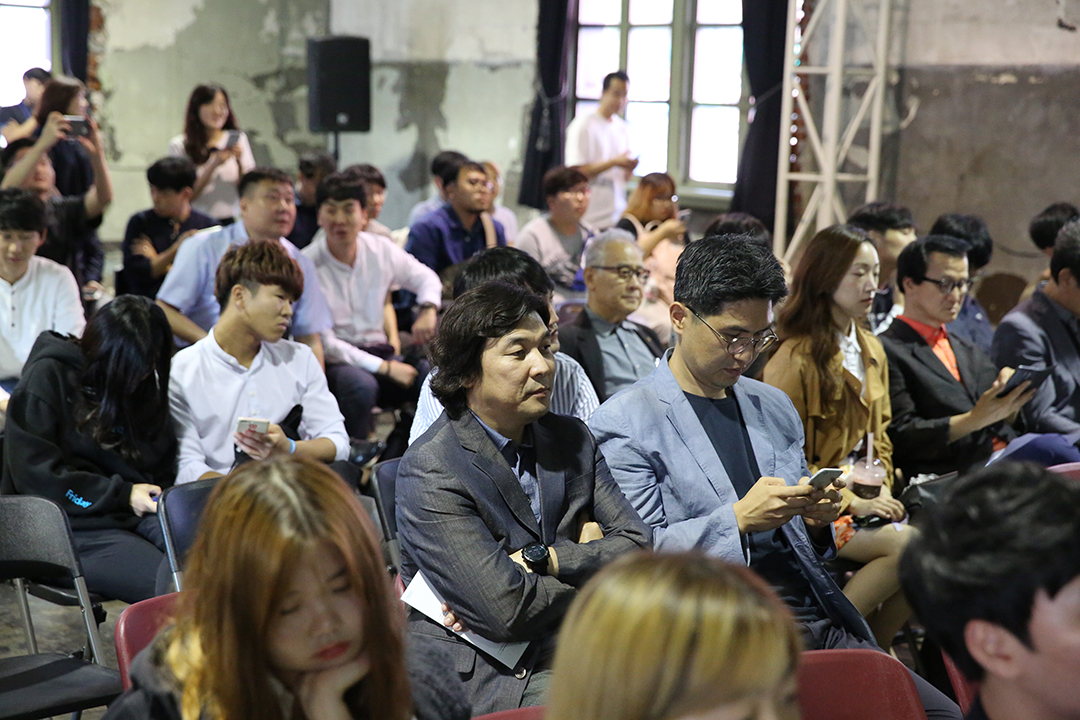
[(592, 139), (219, 198), (45, 298)]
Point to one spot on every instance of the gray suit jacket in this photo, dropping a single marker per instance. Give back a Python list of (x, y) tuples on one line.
[(461, 513), (668, 468)]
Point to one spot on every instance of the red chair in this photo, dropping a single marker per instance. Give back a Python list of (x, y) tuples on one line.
[(136, 628), (856, 684), (1071, 470), (964, 689), (525, 713)]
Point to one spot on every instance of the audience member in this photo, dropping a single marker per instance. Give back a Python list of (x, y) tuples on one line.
[(740, 223), (73, 165), (89, 427), (313, 168), (972, 323), (599, 145), (714, 461), (244, 369), (614, 351), (37, 294), (375, 189), (1045, 226), (650, 215), (71, 239), (892, 228), (18, 121), (440, 165), (557, 238), (835, 372), (1044, 331), (506, 509), (731, 639), (267, 210), (220, 157), (995, 578), (153, 236), (499, 212), (571, 391), (459, 229), (356, 269), (290, 613), (947, 413)]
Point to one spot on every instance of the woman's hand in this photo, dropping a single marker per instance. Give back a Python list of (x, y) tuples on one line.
[(884, 505), (322, 693), (144, 498), (260, 446)]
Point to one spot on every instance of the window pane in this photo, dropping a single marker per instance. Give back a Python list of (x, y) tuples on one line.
[(598, 55), (714, 144), (651, 12), (719, 12), (649, 135), (648, 62), (599, 12), (718, 61), (25, 42), (584, 107)]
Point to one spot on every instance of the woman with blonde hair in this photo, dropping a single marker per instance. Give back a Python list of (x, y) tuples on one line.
[(288, 611), (664, 637)]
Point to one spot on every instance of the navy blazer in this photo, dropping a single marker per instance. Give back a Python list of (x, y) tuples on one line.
[(578, 340)]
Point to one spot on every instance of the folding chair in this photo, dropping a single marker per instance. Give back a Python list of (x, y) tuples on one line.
[(383, 484), (179, 510), (964, 689), (136, 628), (875, 685), (35, 541)]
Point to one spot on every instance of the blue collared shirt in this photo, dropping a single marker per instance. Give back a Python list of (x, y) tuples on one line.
[(521, 457), (626, 357), (439, 240)]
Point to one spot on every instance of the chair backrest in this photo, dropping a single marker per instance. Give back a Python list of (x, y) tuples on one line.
[(568, 310), (35, 540), (535, 712), (1071, 470), (999, 293), (964, 689), (179, 510), (384, 482), (136, 628), (856, 684)]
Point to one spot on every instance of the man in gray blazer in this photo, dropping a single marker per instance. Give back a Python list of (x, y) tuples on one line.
[(505, 508), (715, 461)]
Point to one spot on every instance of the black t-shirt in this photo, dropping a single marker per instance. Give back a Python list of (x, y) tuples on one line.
[(162, 232), (771, 556), (628, 225), (71, 240), (305, 227)]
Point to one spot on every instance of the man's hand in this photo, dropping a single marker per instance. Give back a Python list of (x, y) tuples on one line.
[(260, 446), (423, 328), (451, 620), (770, 503), (824, 507), (144, 498), (990, 408), (321, 692), (884, 505), (403, 374), (590, 531), (625, 162)]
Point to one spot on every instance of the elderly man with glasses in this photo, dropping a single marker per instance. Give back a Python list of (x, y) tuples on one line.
[(614, 351), (714, 461)]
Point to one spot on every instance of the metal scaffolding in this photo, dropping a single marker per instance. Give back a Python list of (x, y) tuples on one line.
[(842, 129)]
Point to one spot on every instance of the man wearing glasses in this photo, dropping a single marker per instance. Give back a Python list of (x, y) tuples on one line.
[(947, 413), (714, 461), (614, 351)]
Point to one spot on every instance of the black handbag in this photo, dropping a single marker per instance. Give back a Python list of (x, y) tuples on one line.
[(926, 491)]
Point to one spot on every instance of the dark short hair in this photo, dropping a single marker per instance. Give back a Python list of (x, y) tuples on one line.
[(40, 74), (314, 164), (341, 186), (442, 160), (486, 312), (617, 75), (172, 173), (453, 172), (1001, 535), (367, 173), (740, 223), (1045, 226), (915, 258), (972, 230), (720, 270), (22, 210), (256, 175), (882, 216), (1067, 251), (255, 263), (7, 158), (561, 178), (505, 264)]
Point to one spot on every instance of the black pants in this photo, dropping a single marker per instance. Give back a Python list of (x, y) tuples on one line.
[(128, 565)]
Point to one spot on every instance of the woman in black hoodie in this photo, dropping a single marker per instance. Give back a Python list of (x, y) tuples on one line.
[(89, 427)]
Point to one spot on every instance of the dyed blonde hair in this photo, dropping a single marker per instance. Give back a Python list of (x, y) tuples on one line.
[(258, 522), (660, 637)]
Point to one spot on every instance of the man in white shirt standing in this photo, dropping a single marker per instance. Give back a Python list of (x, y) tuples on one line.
[(35, 294), (599, 145), (244, 369), (355, 270)]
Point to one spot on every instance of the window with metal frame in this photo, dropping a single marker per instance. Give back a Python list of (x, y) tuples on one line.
[(25, 42)]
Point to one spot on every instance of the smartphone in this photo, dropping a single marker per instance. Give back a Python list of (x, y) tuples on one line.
[(257, 424), (1026, 372), (824, 477), (684, 215), (80, 126), (234, 137)]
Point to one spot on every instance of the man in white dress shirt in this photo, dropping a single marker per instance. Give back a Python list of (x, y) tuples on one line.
[(244, 369)]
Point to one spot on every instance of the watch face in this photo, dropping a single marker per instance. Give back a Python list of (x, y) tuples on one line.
[(534, 553)]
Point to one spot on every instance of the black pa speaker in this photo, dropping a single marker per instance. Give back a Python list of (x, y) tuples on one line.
[(339, 84)]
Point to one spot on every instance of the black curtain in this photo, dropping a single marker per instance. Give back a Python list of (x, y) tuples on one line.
[(75, 37), (764, 36), (547, 136)]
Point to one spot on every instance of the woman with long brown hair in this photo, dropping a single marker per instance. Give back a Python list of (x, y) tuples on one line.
[(71, 162), (837, 376)]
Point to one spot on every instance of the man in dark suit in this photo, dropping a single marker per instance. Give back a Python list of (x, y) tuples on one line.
[(946, 411), (506, 509), (614, 351)]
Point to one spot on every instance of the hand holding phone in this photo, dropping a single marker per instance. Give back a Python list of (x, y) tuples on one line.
[(824, 477), (233, 138), (79, 126), (1035, 375), (258, 425)]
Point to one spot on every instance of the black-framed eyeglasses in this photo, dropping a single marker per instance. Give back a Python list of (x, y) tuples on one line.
[(947, 285), (737, 346), (626, 272)]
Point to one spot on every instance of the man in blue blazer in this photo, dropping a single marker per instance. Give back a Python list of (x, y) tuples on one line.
[(714, 461)]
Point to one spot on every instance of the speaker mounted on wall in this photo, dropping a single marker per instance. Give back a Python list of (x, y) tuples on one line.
[(339, 84)]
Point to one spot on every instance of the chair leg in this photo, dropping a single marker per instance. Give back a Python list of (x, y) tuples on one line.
[(24, 610), (88, 618)]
